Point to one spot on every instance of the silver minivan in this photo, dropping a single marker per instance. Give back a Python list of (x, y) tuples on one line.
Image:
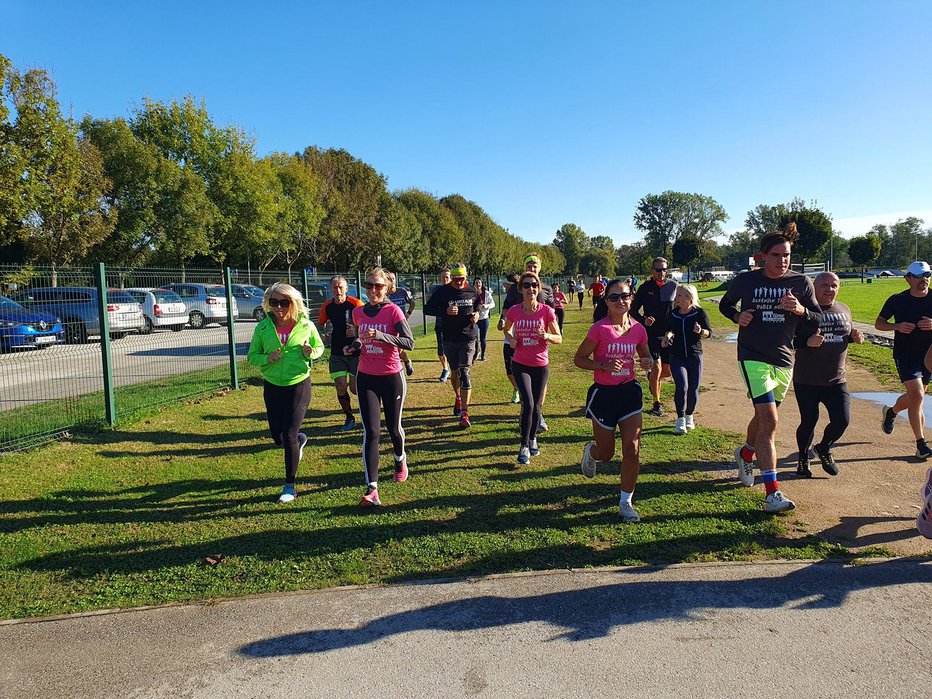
[(205, 303)]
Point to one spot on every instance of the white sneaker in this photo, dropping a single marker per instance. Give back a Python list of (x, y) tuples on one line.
[(679, 427), (628, 514), (588, 462), (533, 448), (524, 456), (690, 423), (745, 469), (778, 502), (302, 440)]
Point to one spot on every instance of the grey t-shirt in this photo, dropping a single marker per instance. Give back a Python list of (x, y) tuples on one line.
[(824, 365)]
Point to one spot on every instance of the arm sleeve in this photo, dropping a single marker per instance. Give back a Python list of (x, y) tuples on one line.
[(317, 345), (491, 297), (322, 316), (803, 332), (704, 320), (403, 340), (432, 305), (257, 356), (728, 306), (636, 305), (511, 298), (813, 317)]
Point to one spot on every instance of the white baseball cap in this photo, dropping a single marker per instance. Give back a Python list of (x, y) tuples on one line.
[(918, 268)]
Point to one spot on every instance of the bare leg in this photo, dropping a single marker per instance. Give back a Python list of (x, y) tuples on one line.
[(765, 415), (604, 443), (911, 401), (630, 452)]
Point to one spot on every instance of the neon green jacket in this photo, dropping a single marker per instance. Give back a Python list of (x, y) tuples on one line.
[(292, 367)]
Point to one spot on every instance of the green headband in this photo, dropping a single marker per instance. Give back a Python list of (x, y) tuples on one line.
[(457, 271), (532, 258)]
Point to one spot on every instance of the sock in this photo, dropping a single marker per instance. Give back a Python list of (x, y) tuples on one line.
[(920, 442), (747, 452), (345, 404), (399, 458), (373, 485), (625, 498), (770, 480)]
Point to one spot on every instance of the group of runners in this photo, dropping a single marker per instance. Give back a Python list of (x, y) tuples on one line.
[(659, 328)]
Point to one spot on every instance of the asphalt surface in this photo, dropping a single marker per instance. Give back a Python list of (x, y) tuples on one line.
[(778, 629)]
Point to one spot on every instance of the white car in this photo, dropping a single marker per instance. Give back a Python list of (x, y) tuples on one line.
[(161, 308), (205, 303)]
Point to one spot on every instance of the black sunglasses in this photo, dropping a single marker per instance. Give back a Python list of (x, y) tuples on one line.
[(529, 285), (924, 274), (659, 269), (374, 285), (279, 303), (624, 296)]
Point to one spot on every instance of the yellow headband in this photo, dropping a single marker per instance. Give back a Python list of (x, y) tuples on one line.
[(532, 258), (457, 271)]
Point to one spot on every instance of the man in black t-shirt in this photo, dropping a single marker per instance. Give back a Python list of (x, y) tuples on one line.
[(438, 326), (651, 307), (912, 338), (819, 375), (337, 312)]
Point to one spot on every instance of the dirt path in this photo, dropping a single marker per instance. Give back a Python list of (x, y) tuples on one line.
[(873, 501)]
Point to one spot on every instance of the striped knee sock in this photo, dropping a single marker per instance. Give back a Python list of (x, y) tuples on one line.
[(770, 480)]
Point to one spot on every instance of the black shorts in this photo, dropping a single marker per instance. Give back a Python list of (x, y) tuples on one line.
[(656, 351), (438, 333), (610, 405), (459, 353), (912, 367), (595, 301)]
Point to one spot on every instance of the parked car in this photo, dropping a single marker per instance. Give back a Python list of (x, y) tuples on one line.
[(76, 306), (249, 301), (161, 308), (20, 327), (205, 303)]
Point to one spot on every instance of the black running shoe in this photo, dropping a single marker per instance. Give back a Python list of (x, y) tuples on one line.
[(923, 450), (889, 418), (828, 461), (802, 467), (657, 410)]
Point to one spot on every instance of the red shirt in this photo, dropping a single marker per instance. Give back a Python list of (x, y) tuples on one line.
[(597, 289)]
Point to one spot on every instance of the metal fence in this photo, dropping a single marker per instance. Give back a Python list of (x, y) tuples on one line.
[(92, 345)]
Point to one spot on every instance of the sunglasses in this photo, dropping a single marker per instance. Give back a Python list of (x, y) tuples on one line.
[(924, 274), (659, 269), (373, 285), (279, 303), (529, 285), (619, 297)]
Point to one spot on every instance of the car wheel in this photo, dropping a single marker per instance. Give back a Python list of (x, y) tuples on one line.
[(75, 332), (258, 314), (147, 326), (197, 320), (177, 328)]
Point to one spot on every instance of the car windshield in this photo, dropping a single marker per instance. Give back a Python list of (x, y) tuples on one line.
[(10, 304), (216, 291), (119, 296), (164, 296), (254, 290)]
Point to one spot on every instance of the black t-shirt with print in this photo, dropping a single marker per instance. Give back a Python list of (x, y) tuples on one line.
[(458, 328), (824, 365), (654, 300), (906, 308)]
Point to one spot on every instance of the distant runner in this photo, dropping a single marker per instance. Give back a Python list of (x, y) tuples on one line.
[(652, 306), (438, 326), (596, 289), (689, 324), (338, 312)]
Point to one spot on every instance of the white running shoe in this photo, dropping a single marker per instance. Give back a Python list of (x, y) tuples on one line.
[(533, 448), (628, 514), (690, 423), (679, 427), (778, 502), (588, 461), (302, 440), (745, 469), (524, 455)]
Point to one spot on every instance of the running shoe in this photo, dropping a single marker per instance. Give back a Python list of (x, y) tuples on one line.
[(458, 408), (542, 425), (679, 427), (926, 489), (371, 498), (802, 467), (628, 514), (302, 440), (401, 470), (350, 424), (923, 451), (482, 358), (409, 367), (444, 375), (924, 520), (828, 461), (524, 455), (778, 502), (889, 419), (515, 397), (288, 493), (690, 422), (657, 410), (745, 469), (533, 448), (464, 421), (589, 463)]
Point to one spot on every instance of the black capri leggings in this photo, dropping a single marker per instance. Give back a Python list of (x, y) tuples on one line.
[(560, 315), (531, 382), (580, 295), (483, 326), (376, 393), (286, 407), (838, 403)]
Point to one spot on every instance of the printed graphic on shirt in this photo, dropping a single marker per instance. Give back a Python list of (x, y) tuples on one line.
[(527, 331), (767, 299), (624, 351), (835, 327), (371, 346)]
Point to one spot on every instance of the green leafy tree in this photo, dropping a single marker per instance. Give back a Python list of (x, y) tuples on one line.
[(686, 251), (598, 261), (300, 207), (445, 239), (665, 217), (766, 218), (573, 243), (815, 228), (863, 250), (633, 258)]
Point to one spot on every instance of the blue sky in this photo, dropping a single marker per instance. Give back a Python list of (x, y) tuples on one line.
[(541, 112)]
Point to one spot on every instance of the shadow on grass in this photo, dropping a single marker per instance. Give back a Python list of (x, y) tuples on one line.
[(594, 612)]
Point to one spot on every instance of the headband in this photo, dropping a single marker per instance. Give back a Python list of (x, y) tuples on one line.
[(458, 271), (532, 258)]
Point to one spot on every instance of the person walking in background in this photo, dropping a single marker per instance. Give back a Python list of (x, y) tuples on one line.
[(382, 331), (458, 303), (338, 312), (507, 350), (580, 290), (689, 324), (284, 345), (559, 302), (912, 340), (615, 398), (438, 326), (652, 305), (530, 328), (596, 289), (819, 375), (402, 298), (774, 300), (486, 304)]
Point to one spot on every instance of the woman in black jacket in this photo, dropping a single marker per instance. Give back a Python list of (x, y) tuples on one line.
[(689, 323)]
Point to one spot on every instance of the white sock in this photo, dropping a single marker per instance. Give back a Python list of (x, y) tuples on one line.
[(373, 484), (625, 498), (399, 457)]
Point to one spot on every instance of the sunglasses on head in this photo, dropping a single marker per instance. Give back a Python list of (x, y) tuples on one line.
[(279, 303), (374, 285), (924, 274), (623, 296), (529, 285)]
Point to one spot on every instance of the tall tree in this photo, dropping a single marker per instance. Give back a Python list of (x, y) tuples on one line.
[(665, 217), (814, 227), (863, 250), (686, 251), (766, 218), (445, 239), (572, 241)]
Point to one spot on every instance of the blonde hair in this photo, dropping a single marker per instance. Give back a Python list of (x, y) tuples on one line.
[(295, 310), (379, 272), (693, 294), (533, 275)]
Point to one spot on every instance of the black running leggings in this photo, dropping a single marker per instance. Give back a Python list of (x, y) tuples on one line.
[(376, 393), (286, 407), (560, 315), (580, 295), (483, 326), (531, 382), (838, 403)]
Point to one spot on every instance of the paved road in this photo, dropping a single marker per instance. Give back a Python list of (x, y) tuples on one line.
[(73, 370), (776, 629)]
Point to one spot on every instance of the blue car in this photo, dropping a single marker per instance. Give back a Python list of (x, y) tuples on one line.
[(20, 327)]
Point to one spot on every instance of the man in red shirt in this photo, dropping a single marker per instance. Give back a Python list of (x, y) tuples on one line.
[(596, 289)]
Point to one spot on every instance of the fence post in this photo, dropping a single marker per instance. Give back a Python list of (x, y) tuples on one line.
[(359, 283), (304, 284), (106, 359), (231, 331), (424, 302), (500, 284)]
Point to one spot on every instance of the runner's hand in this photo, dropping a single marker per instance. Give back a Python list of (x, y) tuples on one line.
[(925, 323), (275, 356), (646, 362), (697, 328), (501, 323), (473, 317), (307, 349), (370, 333), (857, 336), (513, 341), (791, 304), (816, 340), (744, 320), (904, 327), (649, 320), (351, 331), (666, 341)]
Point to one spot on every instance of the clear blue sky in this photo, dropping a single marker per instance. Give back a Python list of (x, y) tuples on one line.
[(541, 112)]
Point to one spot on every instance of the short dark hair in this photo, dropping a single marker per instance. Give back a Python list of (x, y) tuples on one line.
[(789, 234)]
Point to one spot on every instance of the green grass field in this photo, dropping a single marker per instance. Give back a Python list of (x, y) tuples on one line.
[(128, 517)]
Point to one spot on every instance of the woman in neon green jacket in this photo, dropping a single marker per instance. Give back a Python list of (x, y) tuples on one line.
[(284, 345)]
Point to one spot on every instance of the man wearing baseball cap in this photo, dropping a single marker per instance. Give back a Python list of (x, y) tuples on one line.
[(911, 311)]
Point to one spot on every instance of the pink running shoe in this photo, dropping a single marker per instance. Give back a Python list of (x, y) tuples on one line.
[(924, 520), (926, 488), (371, 498), (401, 470)]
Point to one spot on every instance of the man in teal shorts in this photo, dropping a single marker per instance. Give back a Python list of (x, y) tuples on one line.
[(773, 301), (337, 311)]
